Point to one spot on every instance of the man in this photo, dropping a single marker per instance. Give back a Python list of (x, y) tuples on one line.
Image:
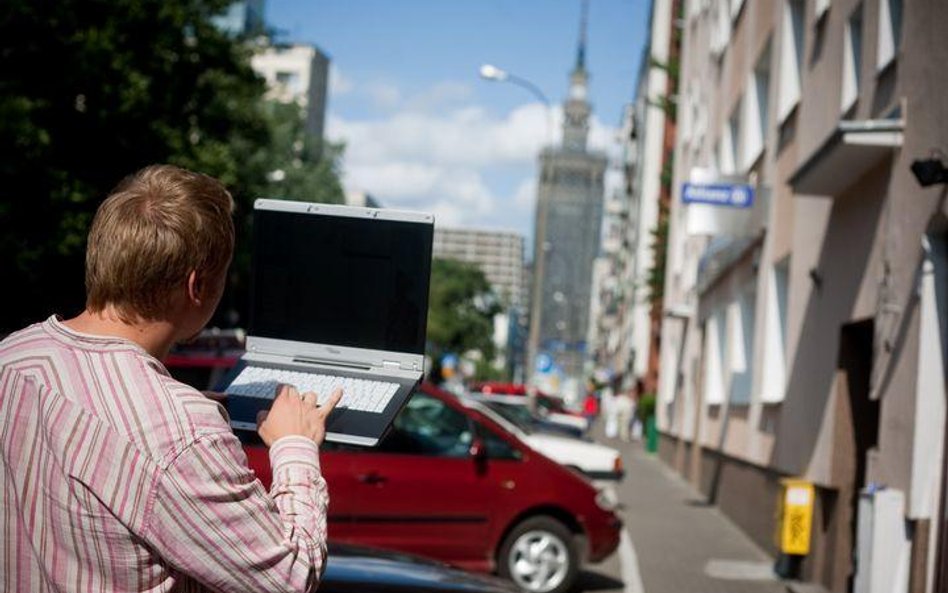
[(116, 477)]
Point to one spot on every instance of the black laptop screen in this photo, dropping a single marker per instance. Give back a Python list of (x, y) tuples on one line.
[(341, 281)]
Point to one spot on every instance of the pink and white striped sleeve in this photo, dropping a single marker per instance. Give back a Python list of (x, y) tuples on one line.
[(212, 519)]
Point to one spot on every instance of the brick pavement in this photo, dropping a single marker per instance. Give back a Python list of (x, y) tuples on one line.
[(680, 542)]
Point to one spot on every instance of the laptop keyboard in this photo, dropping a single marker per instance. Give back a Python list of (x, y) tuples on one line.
[(357, 394)]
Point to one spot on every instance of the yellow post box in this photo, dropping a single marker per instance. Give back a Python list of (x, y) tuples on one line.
[(795, 516)]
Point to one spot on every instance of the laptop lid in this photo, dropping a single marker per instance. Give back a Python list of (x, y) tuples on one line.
[(341, 285)]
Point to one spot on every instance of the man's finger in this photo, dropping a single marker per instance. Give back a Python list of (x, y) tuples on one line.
[(334, 398), (310, 399), (286, 390), (261, 416)]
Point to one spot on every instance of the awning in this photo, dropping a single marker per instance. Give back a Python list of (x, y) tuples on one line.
[(852, 149)]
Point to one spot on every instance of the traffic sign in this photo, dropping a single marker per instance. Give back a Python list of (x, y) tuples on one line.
[(544, 362)]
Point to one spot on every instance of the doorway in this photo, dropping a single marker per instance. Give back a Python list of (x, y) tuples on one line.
[(856, 433)]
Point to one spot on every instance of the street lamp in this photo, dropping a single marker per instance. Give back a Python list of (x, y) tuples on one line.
[(493, 73)]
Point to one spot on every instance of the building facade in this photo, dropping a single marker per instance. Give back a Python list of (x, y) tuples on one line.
[(806, 330), (297, 73), (500, 255), (568, 223)]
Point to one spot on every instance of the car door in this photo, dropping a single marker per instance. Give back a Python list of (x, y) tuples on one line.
[(421, 490)]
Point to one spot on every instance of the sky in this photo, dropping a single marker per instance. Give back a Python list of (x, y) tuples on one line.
[(424, 132)]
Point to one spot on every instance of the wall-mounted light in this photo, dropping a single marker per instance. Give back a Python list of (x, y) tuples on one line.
[(816, 277), (931, 170)]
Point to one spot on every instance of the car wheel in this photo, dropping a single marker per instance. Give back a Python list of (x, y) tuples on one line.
[(539, 556)]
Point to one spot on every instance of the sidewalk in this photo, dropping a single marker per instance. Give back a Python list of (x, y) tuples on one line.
[(681, 544)]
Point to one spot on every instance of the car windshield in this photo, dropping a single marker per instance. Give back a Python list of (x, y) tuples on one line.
[(519, 416)]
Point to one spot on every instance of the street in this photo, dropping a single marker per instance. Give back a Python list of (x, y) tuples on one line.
[(673, 542)]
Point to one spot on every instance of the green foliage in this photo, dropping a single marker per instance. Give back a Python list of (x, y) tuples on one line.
[(461, 310), (656, 273), (93, 90), (646, 407)]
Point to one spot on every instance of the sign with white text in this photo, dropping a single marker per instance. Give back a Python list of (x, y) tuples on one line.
[(734, 195)]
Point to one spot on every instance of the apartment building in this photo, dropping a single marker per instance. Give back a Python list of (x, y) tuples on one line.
[(805, 323)]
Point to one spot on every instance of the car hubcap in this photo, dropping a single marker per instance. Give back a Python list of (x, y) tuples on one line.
[(539, 561)]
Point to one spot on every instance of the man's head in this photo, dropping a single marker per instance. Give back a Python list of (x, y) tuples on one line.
[(164, 233)]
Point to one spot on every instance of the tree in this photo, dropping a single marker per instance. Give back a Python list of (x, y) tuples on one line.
[(461, 309), (93, 90)]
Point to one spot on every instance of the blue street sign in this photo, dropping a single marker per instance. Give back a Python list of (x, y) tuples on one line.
[(544, 362), (735, 195)]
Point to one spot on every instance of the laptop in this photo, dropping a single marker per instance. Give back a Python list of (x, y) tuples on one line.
[(339, 298)]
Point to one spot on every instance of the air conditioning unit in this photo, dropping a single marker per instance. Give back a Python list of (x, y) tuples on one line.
[(883, 542)]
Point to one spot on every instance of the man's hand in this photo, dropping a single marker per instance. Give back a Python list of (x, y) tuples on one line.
[(216, 396), (296, 414)]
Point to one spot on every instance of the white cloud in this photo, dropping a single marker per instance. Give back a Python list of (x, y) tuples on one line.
[(440, 95), (439, 152), (383, 94), (526, 194)]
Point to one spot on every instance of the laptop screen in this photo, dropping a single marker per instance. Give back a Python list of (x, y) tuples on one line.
[(341, 281)]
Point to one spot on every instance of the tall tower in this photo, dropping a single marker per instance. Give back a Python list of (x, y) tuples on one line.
[(568, 218)]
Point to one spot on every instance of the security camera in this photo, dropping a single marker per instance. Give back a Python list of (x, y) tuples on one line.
[(929, 171)]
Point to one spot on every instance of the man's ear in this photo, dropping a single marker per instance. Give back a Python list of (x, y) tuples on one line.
[(196, 286)]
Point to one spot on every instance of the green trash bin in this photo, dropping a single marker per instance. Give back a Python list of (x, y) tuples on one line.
[(651, 435)]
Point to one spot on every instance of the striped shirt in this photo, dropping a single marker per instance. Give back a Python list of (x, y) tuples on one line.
[(116, 477)]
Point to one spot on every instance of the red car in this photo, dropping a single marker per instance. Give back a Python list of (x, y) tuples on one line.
[(450, 484)]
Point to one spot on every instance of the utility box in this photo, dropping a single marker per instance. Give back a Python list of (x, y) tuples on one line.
[(883, 543), (795, 516)]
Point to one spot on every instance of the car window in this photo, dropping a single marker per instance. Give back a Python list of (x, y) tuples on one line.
[(428, 426), (497, 448)]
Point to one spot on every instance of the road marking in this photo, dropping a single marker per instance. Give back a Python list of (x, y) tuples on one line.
[(629, 565), (740, 570)]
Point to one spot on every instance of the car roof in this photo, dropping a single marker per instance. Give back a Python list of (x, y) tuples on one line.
[(358, 568)]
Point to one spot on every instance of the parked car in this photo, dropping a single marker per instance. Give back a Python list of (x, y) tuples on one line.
[(549, 407), (357, 569), (596, 461), (520, 411), (448, 482)]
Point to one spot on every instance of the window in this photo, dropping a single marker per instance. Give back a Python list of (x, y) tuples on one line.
[(852, 60), (775, 350), (890, 32), (721, 31), (428, 426), (496, 447), (791, 58), (755, 111), (727, 145), (289, 81), (736, 6), (714, 329), (741, 337)]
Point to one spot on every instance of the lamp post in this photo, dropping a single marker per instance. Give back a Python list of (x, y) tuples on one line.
[(493, 73)]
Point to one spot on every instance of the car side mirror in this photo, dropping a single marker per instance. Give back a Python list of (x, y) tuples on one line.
[(477, 450)]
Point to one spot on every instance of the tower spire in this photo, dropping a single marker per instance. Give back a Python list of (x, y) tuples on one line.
[(581, 49)]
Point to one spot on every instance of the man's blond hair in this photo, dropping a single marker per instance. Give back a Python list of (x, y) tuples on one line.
[(153, 230)]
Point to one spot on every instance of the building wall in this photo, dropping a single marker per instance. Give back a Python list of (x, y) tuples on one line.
[(297, 74), (853, 257), (571, 185), (652, 85), (498, 254)]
